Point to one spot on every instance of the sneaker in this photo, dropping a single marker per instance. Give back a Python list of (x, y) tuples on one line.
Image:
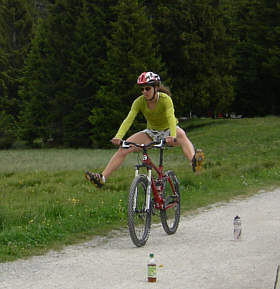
[(95, 178), (197, 160)]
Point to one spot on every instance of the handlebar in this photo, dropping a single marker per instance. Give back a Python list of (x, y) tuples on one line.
[(157, 144)]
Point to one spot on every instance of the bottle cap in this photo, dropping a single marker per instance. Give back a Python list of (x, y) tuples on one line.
[(151, 255)]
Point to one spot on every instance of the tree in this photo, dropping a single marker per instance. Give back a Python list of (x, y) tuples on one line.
[(62, 74), (35, 90), (87, 59), (196, 47), (3, 59), (7, 131), (130, 51), (16, 23), (268, 39), (258, 57)]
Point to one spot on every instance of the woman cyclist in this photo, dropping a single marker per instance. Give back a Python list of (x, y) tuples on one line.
[(156, 105)]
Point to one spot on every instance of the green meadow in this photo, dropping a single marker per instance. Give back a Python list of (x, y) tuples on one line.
[(46, 203)]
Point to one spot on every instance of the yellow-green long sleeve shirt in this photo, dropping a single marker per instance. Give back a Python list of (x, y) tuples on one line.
[(161, 117)]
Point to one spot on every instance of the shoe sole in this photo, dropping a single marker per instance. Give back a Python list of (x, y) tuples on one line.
[(199, 157), (92, 180)]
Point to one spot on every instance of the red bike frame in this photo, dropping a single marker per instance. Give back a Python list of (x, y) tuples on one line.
[(149, 165)]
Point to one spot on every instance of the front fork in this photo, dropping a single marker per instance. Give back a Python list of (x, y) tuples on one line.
[(148, 192)]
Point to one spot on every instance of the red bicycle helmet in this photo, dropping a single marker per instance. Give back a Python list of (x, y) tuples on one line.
[(148, 78)]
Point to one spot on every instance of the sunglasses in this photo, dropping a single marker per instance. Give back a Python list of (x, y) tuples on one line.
[(147, 88)]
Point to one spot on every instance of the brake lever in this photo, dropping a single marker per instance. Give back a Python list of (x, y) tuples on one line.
[(162, 142), (124, 145)]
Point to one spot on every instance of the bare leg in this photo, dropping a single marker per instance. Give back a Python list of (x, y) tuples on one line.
[(119, 156), (185, 143)]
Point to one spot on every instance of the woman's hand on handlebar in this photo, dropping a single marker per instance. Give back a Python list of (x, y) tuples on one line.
[(116, 141), (170, 140)]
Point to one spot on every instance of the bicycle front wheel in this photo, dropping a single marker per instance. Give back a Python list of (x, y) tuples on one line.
[(170, 214), (138, 218)]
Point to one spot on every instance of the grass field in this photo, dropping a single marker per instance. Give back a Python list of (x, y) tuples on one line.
[(46, 203)]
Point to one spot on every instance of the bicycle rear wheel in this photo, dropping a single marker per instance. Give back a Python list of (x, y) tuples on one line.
[(138, 218), (170, 214)]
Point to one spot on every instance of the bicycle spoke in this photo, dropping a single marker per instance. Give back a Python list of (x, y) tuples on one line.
[(170, 214), (141, 204), (139, 219)]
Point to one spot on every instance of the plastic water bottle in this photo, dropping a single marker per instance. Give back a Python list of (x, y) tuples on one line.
[(237, 228), (152, 269)]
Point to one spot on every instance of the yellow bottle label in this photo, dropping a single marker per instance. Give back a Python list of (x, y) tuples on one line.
[(152, 271)]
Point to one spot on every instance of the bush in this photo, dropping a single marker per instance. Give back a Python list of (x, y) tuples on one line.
[(7, 131)]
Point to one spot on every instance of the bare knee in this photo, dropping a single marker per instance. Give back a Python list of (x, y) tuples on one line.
[(181, 136), (123, 152), (185, 143)]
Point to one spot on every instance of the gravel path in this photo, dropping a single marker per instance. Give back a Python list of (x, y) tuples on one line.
[(201, 255)]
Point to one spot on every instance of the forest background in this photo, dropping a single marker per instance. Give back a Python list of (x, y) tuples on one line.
[(68, 67)]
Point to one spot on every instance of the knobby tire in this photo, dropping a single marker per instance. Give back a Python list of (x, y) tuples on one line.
[(170, 215), (138, 219)]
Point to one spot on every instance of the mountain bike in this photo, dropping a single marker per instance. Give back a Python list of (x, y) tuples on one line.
[(151, 191)]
